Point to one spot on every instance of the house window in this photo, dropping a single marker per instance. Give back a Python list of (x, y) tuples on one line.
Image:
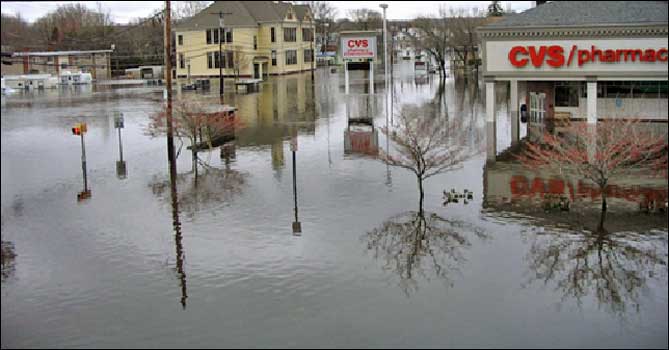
[(290, 34), (208, 36), (230, 56), (180, 40), (274, 57), (307, 34), (291, 57), (182, 63), (212, 60), (255, 42), (308, 56), (216, 34), (228, 35), (271, 34)]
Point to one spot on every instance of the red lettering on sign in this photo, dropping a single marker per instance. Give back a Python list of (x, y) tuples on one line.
[(554, 55), (357, 43), (537, 57), (513, 54)]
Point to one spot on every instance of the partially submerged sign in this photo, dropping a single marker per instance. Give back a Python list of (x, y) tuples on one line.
[(358, 45)]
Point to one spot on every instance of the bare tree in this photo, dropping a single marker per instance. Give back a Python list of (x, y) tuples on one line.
[(204, 125), (187, 9), (600, 152), (240, 60), (463, 37), (366, 19), (426, 144), (324, 15), (433, 35)]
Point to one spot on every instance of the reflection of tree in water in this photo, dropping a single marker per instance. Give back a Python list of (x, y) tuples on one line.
[(209, 187), (612, 268), (419, 245), (7, 256)]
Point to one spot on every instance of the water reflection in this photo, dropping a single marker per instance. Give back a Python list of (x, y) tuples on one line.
[(7, 257), (205, 189), (176, 224), (549, 198), (418, 245), (121, 168), (613, 269), (297, 225)]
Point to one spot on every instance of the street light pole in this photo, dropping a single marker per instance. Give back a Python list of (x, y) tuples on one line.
[(220, 53), (385, 57)]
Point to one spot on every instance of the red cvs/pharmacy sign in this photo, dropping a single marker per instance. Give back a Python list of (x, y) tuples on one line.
[(557, 56), (358, 47)]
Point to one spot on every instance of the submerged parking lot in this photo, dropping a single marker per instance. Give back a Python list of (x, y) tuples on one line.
[(224, 268)]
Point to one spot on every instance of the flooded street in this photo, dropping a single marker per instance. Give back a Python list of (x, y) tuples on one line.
[(222, 266)]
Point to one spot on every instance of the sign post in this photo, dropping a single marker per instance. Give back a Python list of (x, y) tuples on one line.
[(359, 46), (79, 130)]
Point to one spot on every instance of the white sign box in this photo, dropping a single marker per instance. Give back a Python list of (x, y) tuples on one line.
[(358, 47)]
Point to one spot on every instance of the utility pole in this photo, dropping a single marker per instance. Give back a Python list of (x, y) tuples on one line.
[(168, 80), (221, 35)]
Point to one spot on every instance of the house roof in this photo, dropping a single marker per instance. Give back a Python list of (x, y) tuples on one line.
[(236, 15), (587, 13), (242, 14), (301, 11)]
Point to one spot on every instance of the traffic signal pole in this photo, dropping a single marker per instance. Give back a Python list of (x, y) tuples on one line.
[(83, 161)]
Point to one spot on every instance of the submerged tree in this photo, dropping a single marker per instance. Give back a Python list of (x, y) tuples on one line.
[(600, 153), (204, 124), (426, 144)]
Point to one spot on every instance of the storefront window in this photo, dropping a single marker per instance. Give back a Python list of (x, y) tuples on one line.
[(568, 93)]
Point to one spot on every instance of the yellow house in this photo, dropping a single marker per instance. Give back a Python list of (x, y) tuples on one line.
[(258, 38)]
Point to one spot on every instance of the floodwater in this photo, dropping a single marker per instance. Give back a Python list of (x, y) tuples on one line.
[(229, 260)]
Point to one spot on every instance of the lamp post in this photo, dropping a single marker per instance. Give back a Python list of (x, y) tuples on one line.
[(220, 53), (385, 57)]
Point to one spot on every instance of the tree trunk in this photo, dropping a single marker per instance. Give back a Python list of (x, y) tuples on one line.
[(422, 195), (602, 217)]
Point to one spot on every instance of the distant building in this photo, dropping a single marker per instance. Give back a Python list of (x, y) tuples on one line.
[(258, 38), (96, 62)]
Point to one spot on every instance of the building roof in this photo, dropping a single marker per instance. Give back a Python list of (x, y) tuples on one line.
[(242, 14), (587, 13), (236, 15), (59, 53)]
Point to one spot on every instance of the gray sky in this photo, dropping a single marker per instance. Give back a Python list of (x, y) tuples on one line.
[(124, 11)]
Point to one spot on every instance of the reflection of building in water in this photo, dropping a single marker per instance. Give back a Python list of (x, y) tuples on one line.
[(509, 187), (278, 161), (511, 183), (361, 140), (7, 257), (283, 102)]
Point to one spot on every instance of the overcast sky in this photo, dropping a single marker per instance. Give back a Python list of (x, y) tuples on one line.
[(124, 11)]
